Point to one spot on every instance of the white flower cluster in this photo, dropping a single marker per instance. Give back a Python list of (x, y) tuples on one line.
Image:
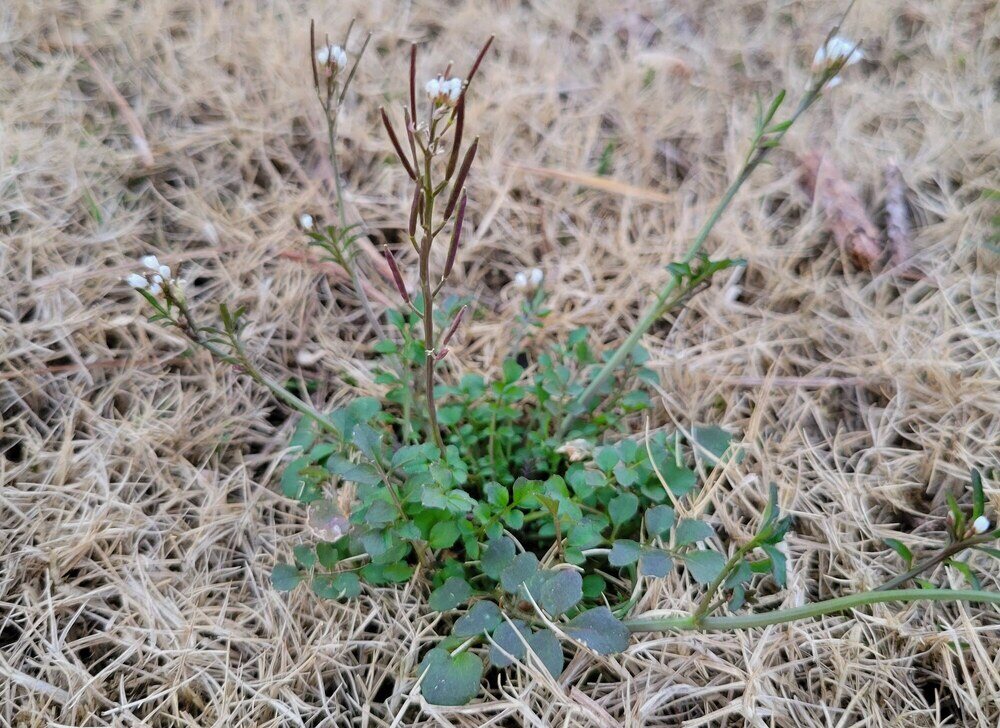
[(444, 92), (333, 55), (836, 50), (153, 280), (529, 279)]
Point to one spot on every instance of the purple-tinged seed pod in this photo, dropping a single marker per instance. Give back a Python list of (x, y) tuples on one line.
[(441, 355), (456, 322), (395, 144), (400, 286), (456, 144), (416, 209), (456, 236), (479, 59), (413, 82), (463, 172)]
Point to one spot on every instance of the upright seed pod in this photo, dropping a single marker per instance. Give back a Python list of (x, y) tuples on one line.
[(456, 144), (463, 172), (396, 277), (395, 144), (416, 209), (456, 235)]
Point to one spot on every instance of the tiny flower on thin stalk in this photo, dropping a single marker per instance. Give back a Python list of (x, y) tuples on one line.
[(529, 280), (836, 53), (332, 57), (444, 92)]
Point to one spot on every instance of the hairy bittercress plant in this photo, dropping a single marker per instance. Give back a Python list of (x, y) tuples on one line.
[(526, 501)]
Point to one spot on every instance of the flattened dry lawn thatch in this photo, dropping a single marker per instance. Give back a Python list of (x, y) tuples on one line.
[(138, 508)]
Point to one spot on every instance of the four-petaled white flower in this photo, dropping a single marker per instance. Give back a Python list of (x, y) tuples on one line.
[(306, 221), (154, 280), (837, 49), (981, 524), (444, 92), (332, 55)]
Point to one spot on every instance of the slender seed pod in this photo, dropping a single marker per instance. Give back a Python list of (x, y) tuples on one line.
[(413, 82), (441, 355), (456, 144), (456, 235), (410, 130), (312, 53), (396, 277), (463, 172), (479, 59), (395, 144), (456, 322), (416, 209)]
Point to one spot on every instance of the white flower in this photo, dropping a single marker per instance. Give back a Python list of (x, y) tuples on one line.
[(137, 281), (981, 524), (333, 55), (529, 279), (150, 262), (836, 49), (444, 91), (306, 221)]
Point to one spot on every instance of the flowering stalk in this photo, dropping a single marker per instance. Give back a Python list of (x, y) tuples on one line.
[(424, 141), (331, 80), (767, 137)]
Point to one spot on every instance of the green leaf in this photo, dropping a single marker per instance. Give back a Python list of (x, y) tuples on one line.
[(443, 535), (385, 347), (345, 585), (622, 507), (704, 566), (778, 564), (995, 553), (593, 586), (690, 531), (305, 555), (450, 594), (368, 441), (626, 476), (381, 513), (519, 571), (741, 574), (655, 562), (599, 630), (606, 458), (680, 479), (546, 647), (450, 680), (956, 513), (483, 616), (327, 554), (624, 552), (659, 520), (497, 554), (978, 499), (561, 591), (900, 548), (353, 472), (965, 570), (510, 638), (713, 439), (285, 577), (298, 485)]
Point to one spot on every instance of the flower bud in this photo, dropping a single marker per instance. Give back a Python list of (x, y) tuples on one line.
[(981, 524), (306, 221), (444, 92)]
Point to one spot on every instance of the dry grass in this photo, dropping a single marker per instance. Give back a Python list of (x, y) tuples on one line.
[(138, 508)]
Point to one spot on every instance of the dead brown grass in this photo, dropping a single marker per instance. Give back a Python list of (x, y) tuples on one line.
[(138, 507)]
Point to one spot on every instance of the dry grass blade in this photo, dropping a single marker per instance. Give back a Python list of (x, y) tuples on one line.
[(843, 211), (594, 182)]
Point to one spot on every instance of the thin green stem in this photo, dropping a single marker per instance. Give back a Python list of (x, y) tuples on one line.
[(933, 561), (687, 623), (705, 605), (662, 303)]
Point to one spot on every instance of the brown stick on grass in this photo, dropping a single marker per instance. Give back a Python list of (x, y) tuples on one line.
[(844, 212)]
